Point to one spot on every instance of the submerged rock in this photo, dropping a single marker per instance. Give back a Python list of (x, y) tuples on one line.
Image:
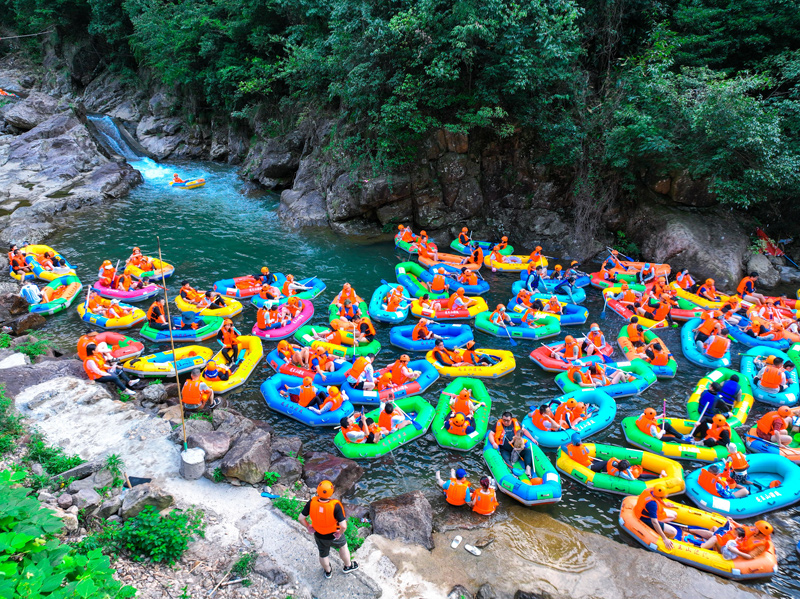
[(407, 518)]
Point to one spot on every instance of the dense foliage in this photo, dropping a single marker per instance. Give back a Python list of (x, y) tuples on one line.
[(610, 87)]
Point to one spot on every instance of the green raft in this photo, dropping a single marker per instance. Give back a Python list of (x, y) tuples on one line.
[(677, 451), (741, 409), (305, 336), (72, 288), (545, 487), (543, 326), (479, 393), (333, 311), (421, 413), (668, 370), (412, 276)]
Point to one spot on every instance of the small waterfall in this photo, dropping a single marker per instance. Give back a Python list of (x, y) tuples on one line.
[(111, 137)]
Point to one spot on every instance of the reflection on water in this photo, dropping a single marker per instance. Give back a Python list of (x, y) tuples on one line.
[(545, 541), (217, 232)]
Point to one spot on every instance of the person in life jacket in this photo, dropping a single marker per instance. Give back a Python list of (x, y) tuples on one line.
[(647, 274), (717, 345), (708, 291), (177, 179), (553, 306), (189, 294), (458, 425), (213, 300), (324, 517), (392, 301), (464, 236), (757, 538), (656, 354), (438, 284), (623, 469), (11, 249), (229, 338), (569, 351), (564, 411), (348, 311), (444, 356), (579, 453), (196, 394), (495, 257), (357, 429), (659, 312), (457, 489), (117, 310), (213, 372), (535, 282), (771, 375), (19, 264), (347, 293), (708, 326), (471, 356), (392, 418), (98, 368), (709, 404), (421, 332), (747, 289), (484, 500), (506, 428), (463, 403), (685, 281), (594, 341), (542, 418), (362, 373), (156, 317), (364, 331), (653, 511), (265, 277), (475, 257), (774, 425), (719, 433), (558, 273), (406, 234), (502, 245), (401, 373), (316, 359), (467, 277), (736, 463), (635, 332), (712, 481), (500, 318), (459, 301), (291, 309), (626, 295), (648, 423)]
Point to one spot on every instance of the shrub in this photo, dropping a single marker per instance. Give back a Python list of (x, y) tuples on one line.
[(10, 423), (289, 505), (218, 475), (271, 478), (34, 348), (53, 459)]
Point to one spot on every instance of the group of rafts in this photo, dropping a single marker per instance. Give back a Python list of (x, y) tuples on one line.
[(323, 374)]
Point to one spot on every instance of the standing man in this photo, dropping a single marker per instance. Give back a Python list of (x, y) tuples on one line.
[(324, 517)]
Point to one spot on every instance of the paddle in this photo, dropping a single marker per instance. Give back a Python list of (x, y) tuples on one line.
[(765, 441), (699, 420), (413, 422), (510, 340), (628, 258), (605, 305)]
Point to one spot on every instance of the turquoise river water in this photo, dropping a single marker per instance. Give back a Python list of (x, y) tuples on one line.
[(221, 231)]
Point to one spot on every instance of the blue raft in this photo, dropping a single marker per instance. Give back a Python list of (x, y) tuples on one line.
[(284, 405), (317, 286), (571, 314), (694, 355), (454, 335), (580, 280), (428, 376), (337, 377), (750, 341), (789, 397), (600, 406), (764, 469), (381, 315), (578, 294), (479, 288)]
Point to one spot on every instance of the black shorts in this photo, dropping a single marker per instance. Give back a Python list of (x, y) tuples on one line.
[(701, 337), (324, 543)]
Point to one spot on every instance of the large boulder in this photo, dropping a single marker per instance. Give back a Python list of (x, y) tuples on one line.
[(32, 111), (768, 275), (215, 443), (86, 499), (249, 458), (274, 162), (290, 469), (407, 518), (154, 393), (193, 427), (17, 379), (231, 423), (141, 496), (342, 472), (27, 322), (286, 446)]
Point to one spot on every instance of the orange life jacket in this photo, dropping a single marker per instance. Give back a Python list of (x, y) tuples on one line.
[(595, 337), (572, 351), (485, 502), (661, 358), (715, 431), (261, 318), (708, 482), (307, 393), (538, 420), (633, 334), (741, 289), (192, 395), (229, 337), (97, 359), (719, 347), (708, 326), (462, 406), (463, 238), (497, 317), (287, 289), (358, 367), (561, 412), (151, 314), (643, 423), (738, 461), (456, 492), (385, 420), (769, 421), (468, 278), (438, 284), (579, 453), (420, 331), (322, 515), (476, 257), (772, 378), (398, 378), (645, 498), (499, 431), (458, 429), (351, 429)]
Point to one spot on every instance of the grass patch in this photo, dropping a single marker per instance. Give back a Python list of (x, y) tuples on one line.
[(351, 533), (289, 505)]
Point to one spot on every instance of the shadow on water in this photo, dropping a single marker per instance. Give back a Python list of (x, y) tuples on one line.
[(224, 230)]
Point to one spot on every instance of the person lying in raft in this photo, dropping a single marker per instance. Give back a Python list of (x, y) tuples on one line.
[(772, 374), (475, 257), (420, 332), (269, 293), (775, 426), (729, 315), (46, 261), (456, 490), (654, 512), (763, 330), (406, 234), (601, 379), (347, 293), (648, 424), (623, 469), (713, 481), (685, 281), (116, 310), (392, 301), (506, 430), (392, 419), (495, 257), (484, 500), (177, 179), (467, 277), (544, 419), (362, 374), (298, 355), (291, 287)]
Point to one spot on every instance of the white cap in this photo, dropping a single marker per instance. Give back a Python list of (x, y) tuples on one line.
[(732, 447), (103, 348)]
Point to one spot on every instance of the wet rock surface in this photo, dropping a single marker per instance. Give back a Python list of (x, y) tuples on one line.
[(342, 472), (407, 517)]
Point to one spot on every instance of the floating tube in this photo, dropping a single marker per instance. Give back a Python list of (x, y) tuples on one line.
[(762, 566), (764, 468), (691, 353), (542, 356), (240, 287), (513, 481), (479, 394), (159, 267), (486, 246), (284, 405), (449, 262), (624, 310), (33, 253), (578, 294), (207, 327), (284, 331), (447, 315), (571, 314), (651, 463), (790, 452), (337, 377), (410, 247), (645, 377), (421, 413), (64, 291), (453, 335), (191, 184), (231, 309), (161, 364), (601, 408), (133, 296), (378, 313), (305, 336), (667, 371), (133, 318), (545, 325), (428, 376), (789, 397), (580, 280), (250, 353), (316, 288), (122, 347), (413, 276), (479, 288), (741, 408), (504, 365), (511, 266), (677, 451), (751, 341)]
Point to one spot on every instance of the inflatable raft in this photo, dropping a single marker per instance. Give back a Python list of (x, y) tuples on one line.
[(478, 393), (763, 566), (486, 246), (450, 262), (450, 278), (231, 309), (428, 376), (160, 270), (34, 252), (580, 280), (162, 364), (578, 294), (270, 389), (542, 356), (545, 487), (413, 277), (601, 410), (122, 347), (250, 353), (666, 371), (504, 364), (450, 315), (333, 313), (571, 314), (191, 184), (625, 310), (544, 325), (791, 451), (337, 377), (288, 329), (511, 266), (239, 287), (741, 408), (133, 296), (644, 378), (678, 451), (453, 335), (207, 327), (63, 292), (421, 414), (789, 397), (750, 341), (650, 465), (315, 288), (689, 300), (765, 470), (305, 336), (134, 317), (694, 355), (378, 313), (410, 247)]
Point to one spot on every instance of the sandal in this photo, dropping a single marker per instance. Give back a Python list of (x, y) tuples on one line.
[(456, 542), (473, 550)]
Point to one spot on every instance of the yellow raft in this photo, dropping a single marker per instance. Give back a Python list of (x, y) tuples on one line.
[(162, 364), (504, 266), (505, 363), (134, 317), (231, 309), (34, 252), (155, 274), (250, 353), (699, 301)]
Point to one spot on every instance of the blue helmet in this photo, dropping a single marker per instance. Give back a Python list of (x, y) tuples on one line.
[(461, 473), (576, 439)]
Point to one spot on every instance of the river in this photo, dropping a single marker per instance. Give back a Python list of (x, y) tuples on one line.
[(225, 229)]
